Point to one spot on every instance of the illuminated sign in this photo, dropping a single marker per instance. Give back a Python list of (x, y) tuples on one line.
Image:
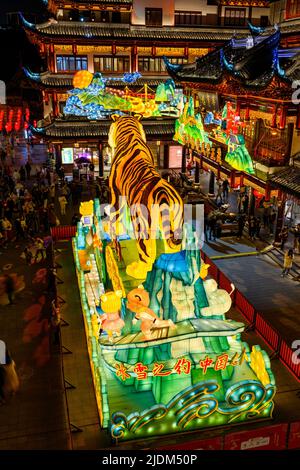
[(67, 156)]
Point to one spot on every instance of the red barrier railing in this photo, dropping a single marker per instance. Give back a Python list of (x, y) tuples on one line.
[(242, 304), (224, 282), (286, 356), (267, 332), (63, 232), (261, 326)]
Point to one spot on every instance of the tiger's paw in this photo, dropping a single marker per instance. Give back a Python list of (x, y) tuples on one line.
[(138, 270)]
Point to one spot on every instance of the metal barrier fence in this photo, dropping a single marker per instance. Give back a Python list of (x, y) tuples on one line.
[(63, 232), (261, 326), (267, 332)]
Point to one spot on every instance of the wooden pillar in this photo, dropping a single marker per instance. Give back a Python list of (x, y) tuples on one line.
[(267, 192), (232, 178), (134, 64), (280, 219), (241, 180), (288, 149), (273, 122), (282, 121), (247, 112), (250, 14), (298, 118), (58, 160), (101, 163), (51, 58), (183, 159), (55, 104), (211, 190), (166, 156), (197, 172), (238, 107)]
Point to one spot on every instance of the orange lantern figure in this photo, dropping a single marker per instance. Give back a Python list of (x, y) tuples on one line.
[(82, 79)]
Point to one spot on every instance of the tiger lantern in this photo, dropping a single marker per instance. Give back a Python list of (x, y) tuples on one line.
[(152, 201)]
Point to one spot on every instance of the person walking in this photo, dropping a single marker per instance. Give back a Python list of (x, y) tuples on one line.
[(9, 288), (241, 225), (219, 192), (287, 262), (257, 226), (28, 169), (62, 203), (212, 228), (284, 236), (251, 227), (225, 185), (40, 249)]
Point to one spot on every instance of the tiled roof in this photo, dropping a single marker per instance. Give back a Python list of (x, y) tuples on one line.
[(110, 31), (288, 180), (97, 1), (54, 80), (113, 31), (99, 129)]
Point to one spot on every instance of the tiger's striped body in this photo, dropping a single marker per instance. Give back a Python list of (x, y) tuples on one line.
[(134, 176)]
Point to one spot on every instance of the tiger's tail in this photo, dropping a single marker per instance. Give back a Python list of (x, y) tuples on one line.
[(171, 224)]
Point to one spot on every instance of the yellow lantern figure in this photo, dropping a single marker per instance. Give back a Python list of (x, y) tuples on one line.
[(82, 79)]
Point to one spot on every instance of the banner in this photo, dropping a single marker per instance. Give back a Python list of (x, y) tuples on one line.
[(269, 438)]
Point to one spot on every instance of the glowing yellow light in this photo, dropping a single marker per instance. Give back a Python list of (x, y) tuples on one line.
[(82, 79)]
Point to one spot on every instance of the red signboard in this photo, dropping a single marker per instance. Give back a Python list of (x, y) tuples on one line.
[(294, 436), (269, 438), (214, 443)]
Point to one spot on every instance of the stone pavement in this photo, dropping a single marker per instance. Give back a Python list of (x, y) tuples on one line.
[(259, 278), (35, 418)]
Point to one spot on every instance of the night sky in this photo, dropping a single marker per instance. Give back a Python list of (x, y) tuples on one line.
[(15, 49)]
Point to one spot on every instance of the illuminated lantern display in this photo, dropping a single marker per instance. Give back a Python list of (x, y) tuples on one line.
[(165, 359), (237, 154), (189, 127), (91, 97), (82, 79)]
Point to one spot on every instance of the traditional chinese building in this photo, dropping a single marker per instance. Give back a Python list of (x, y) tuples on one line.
[(117, 36), (259, 89)]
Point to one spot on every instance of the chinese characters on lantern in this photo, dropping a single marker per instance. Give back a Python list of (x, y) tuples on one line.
[(182, 366)]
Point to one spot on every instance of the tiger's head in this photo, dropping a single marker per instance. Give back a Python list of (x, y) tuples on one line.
[(124, 126)]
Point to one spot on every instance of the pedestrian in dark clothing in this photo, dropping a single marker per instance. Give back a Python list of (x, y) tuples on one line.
[(28, 256), (225, 189), (212, 228), (257, 227), (245, 203), (284, 236), (28, 169), (241, 225), (252, 227), (19, 229), (22, 173), (9, 288)]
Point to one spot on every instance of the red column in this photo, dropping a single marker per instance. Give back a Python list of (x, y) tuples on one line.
[(133, 59), (298, 118), (241, 180), (247, 113), (238, 107), (282, 122), (232, 178), (273, 123), (267, 192)]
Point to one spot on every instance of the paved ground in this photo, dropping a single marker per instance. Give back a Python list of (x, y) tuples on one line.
[(258, 277), (36, 417), (81, 400)]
